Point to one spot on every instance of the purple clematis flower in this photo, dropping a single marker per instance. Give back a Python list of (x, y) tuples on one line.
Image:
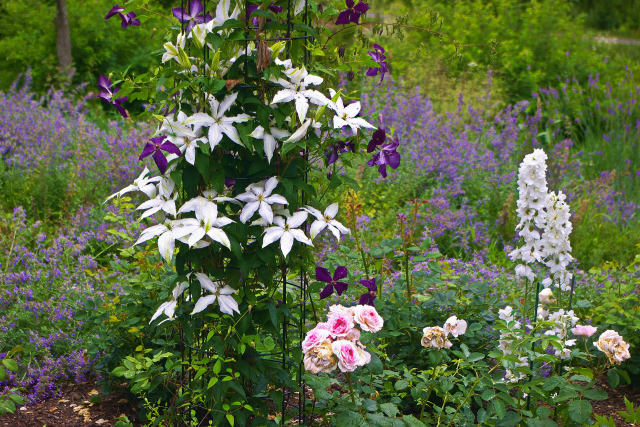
[(107, 93), (192, 16), (155, 148), (353, 12), (387, 156), (322, 274), (368, 297), (272, 7), (378, 138), (335, 150), (128, 19), (378, 56)]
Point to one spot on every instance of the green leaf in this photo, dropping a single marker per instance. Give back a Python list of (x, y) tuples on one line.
[(10, 364), (580, 411), (510, 419), (390, 409), (349, 419), (596, 394), (412, 421), (230, 419), (498, 406), (613, 377), (401, 385)]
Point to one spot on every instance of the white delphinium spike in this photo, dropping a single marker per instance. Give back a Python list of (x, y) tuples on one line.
[(326, 220), (258, 197), (141, 183), (169, 307), (286, 230), (296, 90), (555, 238), (531, 204), (223, 294), (164, 201), (270, 138), (217, 122)]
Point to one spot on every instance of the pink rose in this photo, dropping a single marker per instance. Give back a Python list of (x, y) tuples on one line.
[(322, 325), (340, 323), (314, 338), (368, 318), (584, 331), (347, 354), (353, 335)]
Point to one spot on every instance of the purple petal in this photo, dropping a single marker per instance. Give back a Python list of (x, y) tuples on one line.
[(322, 274), (196, 8), (361, 8), (340, 273), (344, 17), (169, 147), (121, 109), (366, 299), (328, 290), (180, 14), (133, 20), (379, 48), (340, 287), (147, 150), (382, 169), (208, 17), (374, 160), (350, 4), (369, 284), (372, 71), (393, 160), (275, 8), (161, 161), (125, 20), (114, 11), (104, 83)]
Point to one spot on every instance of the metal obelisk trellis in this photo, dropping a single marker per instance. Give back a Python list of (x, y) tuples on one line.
[(289, 406)]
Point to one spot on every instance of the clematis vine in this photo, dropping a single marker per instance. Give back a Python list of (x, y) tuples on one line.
[(270, 138), (387, 156), (191, 16), (167, 234), (142, 183), (346, 116), (368, 297), (296, 90), (286, 230), (155, 149), (107, 93), (326, 220), (378, 56), (169, 307), (207, 223), (223, 294), (217, 122), (258, 197), (352, 13), (333, 283), (128, 19)]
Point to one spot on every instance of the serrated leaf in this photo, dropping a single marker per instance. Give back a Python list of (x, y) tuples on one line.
[(390, 409), (580, 411)]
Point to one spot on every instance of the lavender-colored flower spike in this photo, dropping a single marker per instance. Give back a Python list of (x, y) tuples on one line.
[(155, 148), (353, 12)]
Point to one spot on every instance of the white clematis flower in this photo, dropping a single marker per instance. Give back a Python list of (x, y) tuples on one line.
[(218, 123), (169, 307), (222, 293), (172, 51), (269, 138), (346, 116), (301, 132), (296, 90), (141, 183), (168, 232), (286, 231), (207, 223), (259, 198), (223, 15), (326, 220), (208, 196), (164, 201)]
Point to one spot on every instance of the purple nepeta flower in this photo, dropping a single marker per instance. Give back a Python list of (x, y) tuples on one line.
[(322, 274), (378, 56), (155, 148), (386, 156), (107, 93), (353, 12), (368, 297), (192, 16), (128, 19), (335, 150)]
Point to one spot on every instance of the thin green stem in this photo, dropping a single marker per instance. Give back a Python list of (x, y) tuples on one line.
[(353, 400)]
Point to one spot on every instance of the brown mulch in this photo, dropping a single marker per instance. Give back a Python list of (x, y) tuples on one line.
[(78, 405), (615, 402)]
